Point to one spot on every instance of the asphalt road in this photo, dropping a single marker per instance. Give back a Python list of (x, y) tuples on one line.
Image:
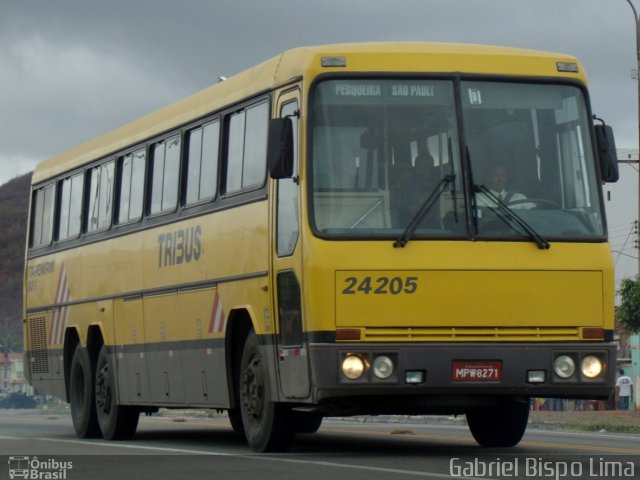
[(44, 446)]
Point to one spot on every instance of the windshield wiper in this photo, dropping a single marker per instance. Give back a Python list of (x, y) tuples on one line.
[(510, 214), (424, 209)]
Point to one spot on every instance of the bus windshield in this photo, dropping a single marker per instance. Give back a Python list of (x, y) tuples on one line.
[(387, 153)]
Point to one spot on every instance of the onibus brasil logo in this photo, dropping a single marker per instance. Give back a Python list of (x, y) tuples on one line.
[(37, 469)]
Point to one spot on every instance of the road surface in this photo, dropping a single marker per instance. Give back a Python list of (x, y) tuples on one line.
[(44, 446)]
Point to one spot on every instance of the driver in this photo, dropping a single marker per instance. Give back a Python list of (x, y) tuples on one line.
[(498, 182)]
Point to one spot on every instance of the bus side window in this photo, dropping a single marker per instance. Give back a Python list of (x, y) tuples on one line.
[(202, 163), (100, 197), (246, 165), (42, 223), (166, 172), (70, 210), (132, 167), (287, 219)]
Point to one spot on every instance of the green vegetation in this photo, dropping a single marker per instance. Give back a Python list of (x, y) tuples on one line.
[(628, 312)]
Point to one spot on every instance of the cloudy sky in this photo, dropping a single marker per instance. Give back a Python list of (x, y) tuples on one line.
[(72, 69)]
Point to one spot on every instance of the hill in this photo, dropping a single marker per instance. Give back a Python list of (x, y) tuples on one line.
[(14, 204)]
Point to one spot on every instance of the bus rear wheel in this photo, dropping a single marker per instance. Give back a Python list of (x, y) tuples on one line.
[(82, 394), (501, 425), (117, 422), (267, 424)]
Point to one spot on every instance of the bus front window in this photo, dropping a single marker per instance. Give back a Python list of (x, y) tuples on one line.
[(529, 145), (380, 148)]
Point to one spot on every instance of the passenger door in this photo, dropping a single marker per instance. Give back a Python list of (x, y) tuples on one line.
[(291, 350)]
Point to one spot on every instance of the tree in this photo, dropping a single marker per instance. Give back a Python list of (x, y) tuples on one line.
[(629, 310)]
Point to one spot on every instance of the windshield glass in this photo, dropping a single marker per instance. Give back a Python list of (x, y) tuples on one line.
[(386, 163), (529, 145), (380, 148)]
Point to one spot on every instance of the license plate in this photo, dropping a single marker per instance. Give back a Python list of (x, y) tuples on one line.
[(476, 371)]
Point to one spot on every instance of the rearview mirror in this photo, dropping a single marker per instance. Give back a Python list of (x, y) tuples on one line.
[(280, 148), (607, 153)]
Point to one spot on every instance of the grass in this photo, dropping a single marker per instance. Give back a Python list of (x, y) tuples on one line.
[(594, 421)]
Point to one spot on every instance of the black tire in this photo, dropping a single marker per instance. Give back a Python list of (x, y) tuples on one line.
[(82, 394), (304, 422), (267, 424), (502, 425), (117, 422), (235, 418)]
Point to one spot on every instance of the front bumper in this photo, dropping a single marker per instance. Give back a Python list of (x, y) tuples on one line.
[(440, 392)]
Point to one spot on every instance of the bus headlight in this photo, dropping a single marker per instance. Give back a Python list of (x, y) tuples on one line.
[(564, 366), (353, 367), (382, 367), (591, 366)]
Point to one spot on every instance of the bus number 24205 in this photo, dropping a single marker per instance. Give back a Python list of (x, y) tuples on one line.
[(380, 285)]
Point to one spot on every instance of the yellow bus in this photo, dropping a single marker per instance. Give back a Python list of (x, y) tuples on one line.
[(327, 234)]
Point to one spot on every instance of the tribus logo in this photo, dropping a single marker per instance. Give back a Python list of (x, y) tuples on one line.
[(35, 469)]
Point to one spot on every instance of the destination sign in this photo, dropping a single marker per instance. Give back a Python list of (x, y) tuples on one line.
[(385, 91)]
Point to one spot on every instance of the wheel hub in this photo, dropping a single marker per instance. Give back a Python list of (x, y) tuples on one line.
[(103, 390), (253, 389)]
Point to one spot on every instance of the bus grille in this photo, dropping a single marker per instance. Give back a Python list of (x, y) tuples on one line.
[(471, 334), (38, 345)]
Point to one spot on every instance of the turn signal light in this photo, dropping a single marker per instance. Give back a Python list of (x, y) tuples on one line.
[(593, 333), (352, 334)]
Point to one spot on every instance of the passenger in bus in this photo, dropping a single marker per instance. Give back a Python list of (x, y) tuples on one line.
[(426, 175), (412, 185)]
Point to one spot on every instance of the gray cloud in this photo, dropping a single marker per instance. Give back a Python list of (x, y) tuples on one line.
[(71, 69)]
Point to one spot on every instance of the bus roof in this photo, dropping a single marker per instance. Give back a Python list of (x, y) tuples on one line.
[(305, 62)]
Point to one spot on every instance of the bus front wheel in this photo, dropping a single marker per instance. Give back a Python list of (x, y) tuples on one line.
[(117, 422), (82, 394), (266, 423), (304, 422), (235, 419), (502, 425)]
